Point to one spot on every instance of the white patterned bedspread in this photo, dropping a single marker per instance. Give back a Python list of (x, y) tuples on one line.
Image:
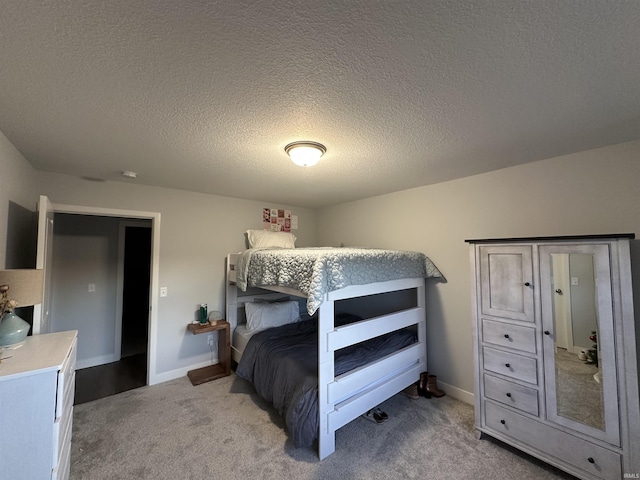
[(317, 271)]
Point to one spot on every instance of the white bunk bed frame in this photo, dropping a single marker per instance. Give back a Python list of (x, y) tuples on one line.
[(345, 397)]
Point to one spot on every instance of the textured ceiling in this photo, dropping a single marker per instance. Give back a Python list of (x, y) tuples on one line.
[(204, 96)]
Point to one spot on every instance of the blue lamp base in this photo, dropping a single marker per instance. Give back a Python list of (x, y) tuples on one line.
[(13, 329)]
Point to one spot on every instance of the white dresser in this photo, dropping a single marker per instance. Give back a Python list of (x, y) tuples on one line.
[(555, 344), (36, 407)]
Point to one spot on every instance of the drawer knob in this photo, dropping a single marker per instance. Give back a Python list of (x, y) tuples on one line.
[(547, 332), (506, 335), (509, 395), (527, 284), (591, 460), (504, 423), (508, 365)]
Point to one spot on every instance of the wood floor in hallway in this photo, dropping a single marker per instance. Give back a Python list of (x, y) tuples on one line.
[(105, 380)]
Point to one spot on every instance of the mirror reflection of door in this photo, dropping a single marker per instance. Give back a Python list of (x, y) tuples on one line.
[(562, 302), (579, 391)]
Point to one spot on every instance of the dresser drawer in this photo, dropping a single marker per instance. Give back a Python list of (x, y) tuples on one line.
[(63, 425), (510, 364), (509, 335), (512, 394), (66, 377), (62, 470), (591, 458)]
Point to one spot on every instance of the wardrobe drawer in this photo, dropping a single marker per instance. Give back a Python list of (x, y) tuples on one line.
[(512, 394), (508, 335), (511, 365), (584, 455)]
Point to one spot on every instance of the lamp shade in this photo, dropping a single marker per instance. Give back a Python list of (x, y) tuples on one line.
[(25, 285)]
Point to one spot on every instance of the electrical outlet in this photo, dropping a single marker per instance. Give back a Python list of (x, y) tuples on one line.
[(210, 339)]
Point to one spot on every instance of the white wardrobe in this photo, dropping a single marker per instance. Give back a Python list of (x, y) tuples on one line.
[(555, 344)]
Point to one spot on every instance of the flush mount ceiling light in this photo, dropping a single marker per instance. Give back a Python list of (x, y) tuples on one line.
[(129, 174), (305, 153)]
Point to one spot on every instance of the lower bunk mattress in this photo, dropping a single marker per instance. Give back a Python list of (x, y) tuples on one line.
[(282, 365)]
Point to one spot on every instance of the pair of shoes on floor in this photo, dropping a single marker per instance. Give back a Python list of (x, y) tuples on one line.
[(376, 415), (428, 386), (422, 386)]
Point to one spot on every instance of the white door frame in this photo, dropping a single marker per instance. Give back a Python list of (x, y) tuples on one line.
[(152, 341), (562, 302), (44, 253)]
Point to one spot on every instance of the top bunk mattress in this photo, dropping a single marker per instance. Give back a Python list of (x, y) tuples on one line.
[(320, 270)]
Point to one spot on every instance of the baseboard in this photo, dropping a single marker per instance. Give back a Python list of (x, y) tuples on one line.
[(177, 373), (457, 393), (95, 361)]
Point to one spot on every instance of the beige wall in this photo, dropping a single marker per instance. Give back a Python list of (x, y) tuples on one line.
[(590, 192)]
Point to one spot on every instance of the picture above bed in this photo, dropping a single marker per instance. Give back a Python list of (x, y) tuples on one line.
[(267, 239), (317, 271)]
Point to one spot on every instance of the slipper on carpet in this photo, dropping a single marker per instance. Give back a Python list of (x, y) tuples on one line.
[(376, 415)]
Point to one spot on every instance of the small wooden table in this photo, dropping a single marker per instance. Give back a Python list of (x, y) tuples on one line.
[(223, 367)]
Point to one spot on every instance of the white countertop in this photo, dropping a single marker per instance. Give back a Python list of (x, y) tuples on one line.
[(38, 353)]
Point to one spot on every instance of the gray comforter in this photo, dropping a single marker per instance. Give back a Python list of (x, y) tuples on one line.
[(282, 364), (317, 271)]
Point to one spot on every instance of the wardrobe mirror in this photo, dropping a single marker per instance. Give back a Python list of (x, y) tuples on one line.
[(577, 354)]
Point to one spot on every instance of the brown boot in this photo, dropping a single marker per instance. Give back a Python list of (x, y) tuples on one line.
[(411, 391), (422, 386), (432, 386)]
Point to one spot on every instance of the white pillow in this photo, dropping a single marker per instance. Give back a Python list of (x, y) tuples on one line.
[(267, 315), (267, 238)]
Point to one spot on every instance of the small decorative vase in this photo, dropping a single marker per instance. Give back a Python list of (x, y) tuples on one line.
[(13, 329), (203, 314)]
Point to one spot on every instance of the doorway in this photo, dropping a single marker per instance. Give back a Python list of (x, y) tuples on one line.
[(136, 280), (132, 334), (82, 311)]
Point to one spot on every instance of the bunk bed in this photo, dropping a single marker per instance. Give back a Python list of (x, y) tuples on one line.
[(322, 278)]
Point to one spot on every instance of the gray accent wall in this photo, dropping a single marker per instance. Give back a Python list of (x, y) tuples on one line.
[(17, 208), (85, 251)]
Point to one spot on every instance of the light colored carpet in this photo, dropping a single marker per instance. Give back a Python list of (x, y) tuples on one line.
[(222, 430)]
